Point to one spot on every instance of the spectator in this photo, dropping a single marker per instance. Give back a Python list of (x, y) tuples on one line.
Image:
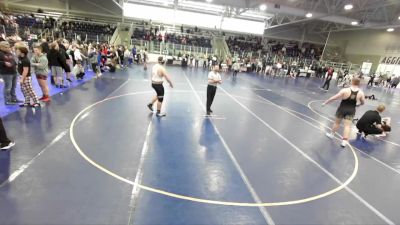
[(93, 59), (57, 62), (9, 73), (40, 66), (45, 46), (24, 69)]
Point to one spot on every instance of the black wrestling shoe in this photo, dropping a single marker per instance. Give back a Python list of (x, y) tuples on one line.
[(150, 106)]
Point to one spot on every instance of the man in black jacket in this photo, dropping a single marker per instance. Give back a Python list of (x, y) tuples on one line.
[(66, 65), (371, 122), (9, 73), (57, 63)]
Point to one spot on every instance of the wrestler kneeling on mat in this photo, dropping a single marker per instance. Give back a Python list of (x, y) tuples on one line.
[(372, 123)]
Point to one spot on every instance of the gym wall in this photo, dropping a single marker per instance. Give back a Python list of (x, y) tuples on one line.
[(367, 45)]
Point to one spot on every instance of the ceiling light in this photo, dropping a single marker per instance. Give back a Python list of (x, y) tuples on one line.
[(309, 15), (399, 17), (390, 30), (348, 7), (354, 23), (263, 7), (209, 0)]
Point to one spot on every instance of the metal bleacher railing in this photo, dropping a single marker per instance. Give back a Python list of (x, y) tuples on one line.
[(33, 25), (169, 48)]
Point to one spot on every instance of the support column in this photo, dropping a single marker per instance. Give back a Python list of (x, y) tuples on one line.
[(174, 16), (122, 16), (303, 36), (220, 24), (67, 7), (326, 44)]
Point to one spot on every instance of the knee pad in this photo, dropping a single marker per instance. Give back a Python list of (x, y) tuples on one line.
[(160, 98)]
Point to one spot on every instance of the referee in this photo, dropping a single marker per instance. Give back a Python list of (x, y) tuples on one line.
[(158, 74), (371, 122), (214, 78)]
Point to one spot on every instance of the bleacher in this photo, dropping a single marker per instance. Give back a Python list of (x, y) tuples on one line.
[(173, 37), (46, 26), (86, 30)]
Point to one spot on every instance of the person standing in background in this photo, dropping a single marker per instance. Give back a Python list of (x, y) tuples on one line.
[(229, 63), (371, 80), (126, 54), (196, 60), (8, 72), (45, 46), (57, 62), (24, 69), (145, 59), (66, 63), (79, 69), (328, 78), (395, 82), (134, 52), (40, 66), (93, 60), (236, 68)]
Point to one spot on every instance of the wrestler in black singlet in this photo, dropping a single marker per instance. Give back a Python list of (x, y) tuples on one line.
[(347, 108)]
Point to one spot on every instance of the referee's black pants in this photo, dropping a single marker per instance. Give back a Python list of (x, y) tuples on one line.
[(367, 129), (211, 90), (326, 84)]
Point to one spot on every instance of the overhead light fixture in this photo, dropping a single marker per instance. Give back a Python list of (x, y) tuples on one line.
[(348, 7), (354, 23), (209, 0), (309, 15), (390, 30), (399, 17), (263, 7)]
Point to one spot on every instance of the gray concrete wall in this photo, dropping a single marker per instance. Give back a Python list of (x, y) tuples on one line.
[(294, 33), (367, 45)]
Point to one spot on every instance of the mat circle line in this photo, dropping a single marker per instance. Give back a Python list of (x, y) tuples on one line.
[(190, 198)]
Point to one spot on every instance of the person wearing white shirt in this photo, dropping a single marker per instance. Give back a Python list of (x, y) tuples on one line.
[(127, 54), (214, 78), (236, 68), (157, 78), (77, 54), (78, 68)]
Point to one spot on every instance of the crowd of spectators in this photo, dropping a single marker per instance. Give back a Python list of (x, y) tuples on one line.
[(294, 49), (192, 37), (244, 43), (8, 24), (81, 29), (24, 25), (247, 44)]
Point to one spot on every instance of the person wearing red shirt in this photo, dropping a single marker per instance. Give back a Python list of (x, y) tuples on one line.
[(328, 78)]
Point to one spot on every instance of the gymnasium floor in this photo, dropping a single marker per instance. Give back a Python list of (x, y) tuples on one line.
[(262, 159)]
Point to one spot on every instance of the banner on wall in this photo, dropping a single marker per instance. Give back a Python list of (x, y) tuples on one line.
[(366, 67), (390, 60)]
